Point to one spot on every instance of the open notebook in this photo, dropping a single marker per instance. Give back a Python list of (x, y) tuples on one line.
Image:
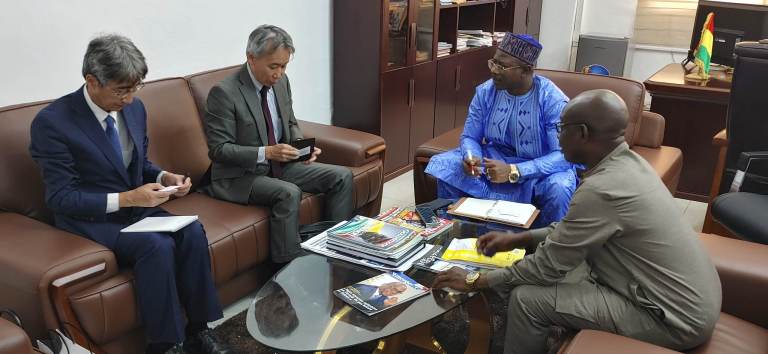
[(500, 211)]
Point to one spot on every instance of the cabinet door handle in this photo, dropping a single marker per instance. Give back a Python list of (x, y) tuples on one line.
[(412, 37), (457, 83), (411, 92)]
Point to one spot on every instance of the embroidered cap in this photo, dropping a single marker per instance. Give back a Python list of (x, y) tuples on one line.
[(521, 46)]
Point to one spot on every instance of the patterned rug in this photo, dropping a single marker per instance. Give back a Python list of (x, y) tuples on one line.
[(450, 330)]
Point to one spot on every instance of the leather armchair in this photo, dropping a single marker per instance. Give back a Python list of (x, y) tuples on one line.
[(644, 134), (743, 323), (13, 340), (51, 277)]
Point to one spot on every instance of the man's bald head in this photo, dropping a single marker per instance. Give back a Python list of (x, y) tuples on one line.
[(592, 124), (603, 111)]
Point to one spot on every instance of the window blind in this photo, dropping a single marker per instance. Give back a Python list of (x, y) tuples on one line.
[(666, 23)]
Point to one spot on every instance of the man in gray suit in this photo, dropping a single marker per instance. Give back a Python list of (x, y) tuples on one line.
[(250, 125)]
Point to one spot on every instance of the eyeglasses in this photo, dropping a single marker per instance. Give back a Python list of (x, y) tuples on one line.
[(123, 93), (560, 126), (495, 66)]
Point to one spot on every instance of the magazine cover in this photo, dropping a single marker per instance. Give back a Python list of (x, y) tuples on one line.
[(431, 262), (408, 217), (371, 233), (381, 292)]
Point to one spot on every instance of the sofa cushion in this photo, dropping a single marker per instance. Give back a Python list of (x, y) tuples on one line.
[(667, 161), (176, 138), (599, 342), (238, 235), (21, 183), (734, 335), (201, 83)]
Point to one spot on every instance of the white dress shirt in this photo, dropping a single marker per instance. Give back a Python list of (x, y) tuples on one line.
[(272, 103), (126, 143)]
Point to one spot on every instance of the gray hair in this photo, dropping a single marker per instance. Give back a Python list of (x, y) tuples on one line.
[(112, 57), (266, 39)]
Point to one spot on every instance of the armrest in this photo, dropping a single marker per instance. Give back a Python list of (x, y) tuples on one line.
[(599, 342), (742, 268), (651, 130), (13, 339), (342, 146), (32, 256)]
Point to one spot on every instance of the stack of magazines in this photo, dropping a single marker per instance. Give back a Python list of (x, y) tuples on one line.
[(408, 218), (375, 240)]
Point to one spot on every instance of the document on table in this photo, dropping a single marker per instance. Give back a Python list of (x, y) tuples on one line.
[(161, 224), (502, 211)]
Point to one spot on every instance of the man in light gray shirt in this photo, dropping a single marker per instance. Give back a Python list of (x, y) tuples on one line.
[(649, 276)]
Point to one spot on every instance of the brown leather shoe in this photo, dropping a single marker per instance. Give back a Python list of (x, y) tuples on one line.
[(205, 342)]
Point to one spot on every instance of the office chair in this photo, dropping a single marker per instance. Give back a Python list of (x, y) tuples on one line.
[(744, 210)]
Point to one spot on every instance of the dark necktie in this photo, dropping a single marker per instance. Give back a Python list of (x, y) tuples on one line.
[(276, 168), (113, 137)]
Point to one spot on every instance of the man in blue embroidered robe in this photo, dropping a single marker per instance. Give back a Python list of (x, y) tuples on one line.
[(509, 149)]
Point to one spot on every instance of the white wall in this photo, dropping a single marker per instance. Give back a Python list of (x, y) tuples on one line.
[(608, 17), (43, 42), (557, 27)]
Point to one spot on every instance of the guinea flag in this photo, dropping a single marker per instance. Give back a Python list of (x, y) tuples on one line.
[(704, 50)]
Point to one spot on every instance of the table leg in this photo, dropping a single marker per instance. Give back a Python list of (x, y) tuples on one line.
[(393, 344)]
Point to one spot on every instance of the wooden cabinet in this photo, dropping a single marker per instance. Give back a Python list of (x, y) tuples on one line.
[(388, 78), (407, 112)]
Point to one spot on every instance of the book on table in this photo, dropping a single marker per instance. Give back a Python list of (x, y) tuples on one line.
[(381, 292), (409, 218), (464, 251), (500, 211)]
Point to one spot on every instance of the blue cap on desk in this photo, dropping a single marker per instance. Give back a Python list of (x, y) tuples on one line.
[(521, 46)]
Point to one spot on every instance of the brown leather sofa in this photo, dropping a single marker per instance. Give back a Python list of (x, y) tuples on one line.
[(53, 278), (644, 133), (743, 324)]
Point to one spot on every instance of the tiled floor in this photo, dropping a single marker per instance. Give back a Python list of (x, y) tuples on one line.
[(399, 192)]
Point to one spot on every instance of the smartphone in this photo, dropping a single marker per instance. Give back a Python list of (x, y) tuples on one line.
[(427, 216)]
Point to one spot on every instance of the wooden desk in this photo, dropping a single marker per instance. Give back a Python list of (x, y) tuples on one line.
[(694, 113)]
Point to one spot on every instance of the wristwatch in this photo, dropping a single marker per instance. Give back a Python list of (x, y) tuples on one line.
[(514, 174), (471, 279)]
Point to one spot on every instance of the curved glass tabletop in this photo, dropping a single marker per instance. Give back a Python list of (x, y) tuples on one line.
[(297, 311)]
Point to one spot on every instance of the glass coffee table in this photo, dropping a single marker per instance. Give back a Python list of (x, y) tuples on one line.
[(297, 311)]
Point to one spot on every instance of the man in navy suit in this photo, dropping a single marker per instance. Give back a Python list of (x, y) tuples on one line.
[(92, 148)]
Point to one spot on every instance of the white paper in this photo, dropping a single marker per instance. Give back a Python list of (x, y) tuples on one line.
[(172, 189), (304, 151), (161, 224), (317, 245), (516, 213), (478, 208)]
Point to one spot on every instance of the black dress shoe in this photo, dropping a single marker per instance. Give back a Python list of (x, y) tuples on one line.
[(205, 342)]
